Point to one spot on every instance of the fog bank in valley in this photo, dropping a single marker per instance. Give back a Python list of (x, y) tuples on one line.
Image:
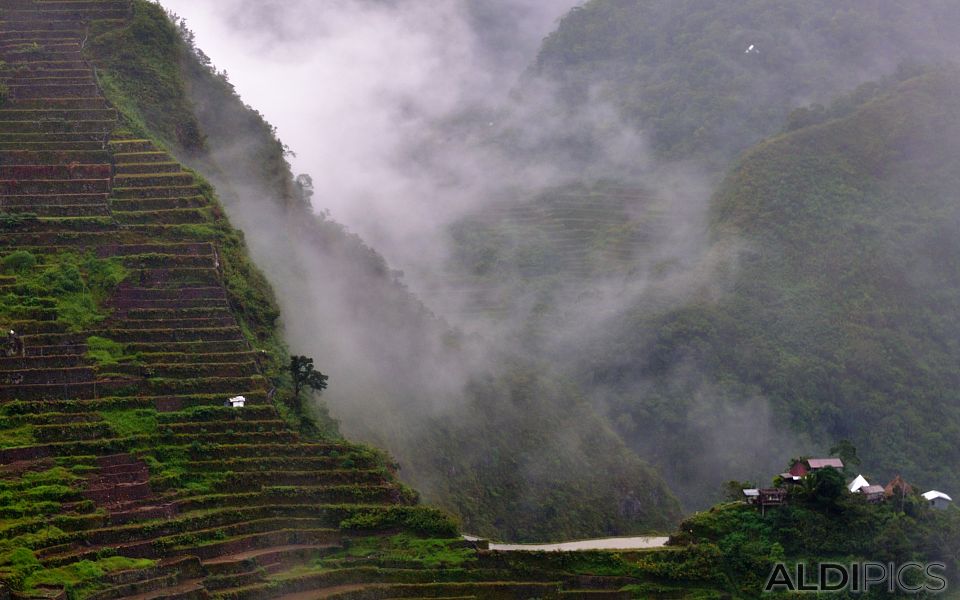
[(409, 116)]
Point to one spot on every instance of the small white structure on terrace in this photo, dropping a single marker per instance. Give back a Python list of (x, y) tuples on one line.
[(236, 402)]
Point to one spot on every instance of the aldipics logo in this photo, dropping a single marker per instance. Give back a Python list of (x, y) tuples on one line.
[(910, 578)]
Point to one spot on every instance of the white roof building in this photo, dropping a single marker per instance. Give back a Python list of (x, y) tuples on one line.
[(938, 500), (858, 484)]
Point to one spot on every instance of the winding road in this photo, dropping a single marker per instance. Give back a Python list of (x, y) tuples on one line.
[(632, 543)]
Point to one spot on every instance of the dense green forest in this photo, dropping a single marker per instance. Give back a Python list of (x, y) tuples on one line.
[(681, 70), (725, 322), (839, 309), (735, 546), (842, 314)]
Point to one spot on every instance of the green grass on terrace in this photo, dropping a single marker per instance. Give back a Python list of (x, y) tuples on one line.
[(78, 284)]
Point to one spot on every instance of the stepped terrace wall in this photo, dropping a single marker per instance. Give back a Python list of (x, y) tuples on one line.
[(122, 475)]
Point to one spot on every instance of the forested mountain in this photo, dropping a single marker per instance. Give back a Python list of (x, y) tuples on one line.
[(706, 80), (803, 299), (844, 311)]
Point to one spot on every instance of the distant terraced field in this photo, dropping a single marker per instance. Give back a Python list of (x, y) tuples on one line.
[(517, 253), (122, 473)]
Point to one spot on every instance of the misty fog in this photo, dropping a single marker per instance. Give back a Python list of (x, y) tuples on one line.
[(411, 116), (353, 87)]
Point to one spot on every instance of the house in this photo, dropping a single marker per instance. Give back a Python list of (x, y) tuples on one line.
[(790, 477), (237, 402), (802, 468), (825, 463), (938, 500), (765, 497), (873, 493), (898, 487), (858, 484), (772, 496)]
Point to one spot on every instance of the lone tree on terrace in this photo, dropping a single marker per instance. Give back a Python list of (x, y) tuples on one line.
[(306, 376)]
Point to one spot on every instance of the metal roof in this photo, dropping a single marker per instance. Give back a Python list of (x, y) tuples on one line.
[(821, 463), (935, 495), (857, 484)]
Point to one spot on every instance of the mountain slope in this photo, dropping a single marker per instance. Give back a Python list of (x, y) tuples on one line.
[(400, 378), (679, 340), (134, 314), (681, 70), (842, 307)]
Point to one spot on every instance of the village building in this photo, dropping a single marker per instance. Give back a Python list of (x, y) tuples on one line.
[(938, 500), (802, 468), (873, 493), (898, 487), (857, 484), (765, 497)]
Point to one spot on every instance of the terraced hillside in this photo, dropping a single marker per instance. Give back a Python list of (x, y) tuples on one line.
[(515, 257), (122, 473)]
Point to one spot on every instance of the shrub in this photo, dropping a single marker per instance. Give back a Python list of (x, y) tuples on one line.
[(106, 352), (18, 262), (74, 285)]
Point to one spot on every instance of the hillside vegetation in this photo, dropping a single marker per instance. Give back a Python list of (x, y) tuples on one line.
[(515, 453), (735, 546), (842, 308), (724, 322), (680, 70), (134, 312)]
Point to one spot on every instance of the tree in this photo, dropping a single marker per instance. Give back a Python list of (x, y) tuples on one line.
[(306, 376), (733, 489), (847, 452), (824, 488), (305, 185)]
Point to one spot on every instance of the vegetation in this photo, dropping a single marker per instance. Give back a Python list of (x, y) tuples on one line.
[(840, 311), (416, 552), (822, 307), (74, 285), (453, 474), (140, 70), (78, 579), (141, 75), (305, 376), (107, 353), (738, 545), (681, 70)]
